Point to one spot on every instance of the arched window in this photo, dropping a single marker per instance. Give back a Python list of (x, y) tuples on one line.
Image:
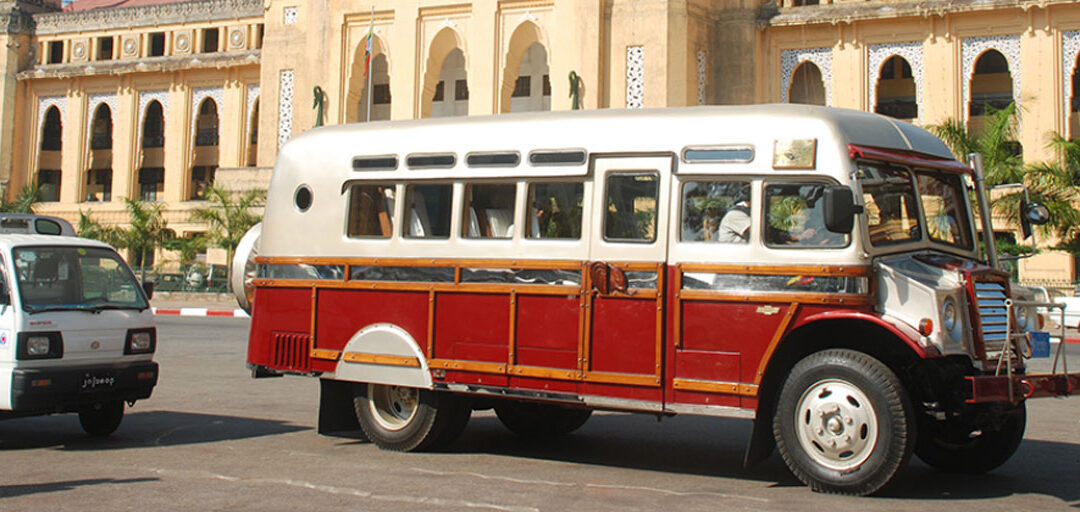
[(532, 88), (99, 175), (153, 132), (101, 129), (48, 175), (253, 138), (445, 84), (896, 90), (205, 157), (380, 85), (151, 174), (807, 86), (991, 84), (52, 131), (206, 126), (1074, 102)]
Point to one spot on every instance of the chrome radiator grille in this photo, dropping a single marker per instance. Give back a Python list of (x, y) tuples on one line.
[(993, 315)]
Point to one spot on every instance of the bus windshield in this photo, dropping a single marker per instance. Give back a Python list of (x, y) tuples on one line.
[(894, 197), (56, 278)]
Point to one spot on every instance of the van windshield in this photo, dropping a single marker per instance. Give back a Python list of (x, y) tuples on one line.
[(58, 278)]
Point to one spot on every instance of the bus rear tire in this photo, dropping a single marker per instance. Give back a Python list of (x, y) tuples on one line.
[(101, 419), (409, 419), (540, 421), (843, 423), (959, 452)]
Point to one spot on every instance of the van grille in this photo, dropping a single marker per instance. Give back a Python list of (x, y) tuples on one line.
[(291, 351), (993, 316)]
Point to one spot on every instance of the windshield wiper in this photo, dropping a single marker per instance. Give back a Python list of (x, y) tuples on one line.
[(103, 307), (46, 309)]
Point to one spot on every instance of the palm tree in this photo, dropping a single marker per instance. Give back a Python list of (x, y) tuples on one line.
[(996, 141), (89, 227), (228, 216), (1055, 185), (189, 247), (148, 231), (26, 199)]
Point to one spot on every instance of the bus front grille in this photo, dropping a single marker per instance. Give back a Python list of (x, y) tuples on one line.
[(291, 351), (993, 316)]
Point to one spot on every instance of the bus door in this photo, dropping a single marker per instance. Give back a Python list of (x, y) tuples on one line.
[(622, 346)]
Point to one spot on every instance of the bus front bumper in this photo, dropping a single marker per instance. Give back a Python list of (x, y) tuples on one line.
[(49, 390), (1001, 388)]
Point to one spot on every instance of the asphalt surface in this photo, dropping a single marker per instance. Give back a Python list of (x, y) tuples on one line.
[(211, 438)]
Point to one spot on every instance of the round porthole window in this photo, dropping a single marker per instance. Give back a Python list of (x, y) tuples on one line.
[(303, 198)]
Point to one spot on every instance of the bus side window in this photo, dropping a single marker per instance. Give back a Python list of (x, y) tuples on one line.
[(716, 211), (630, 206), (371, 211), (489, 211), (796, 217), (428, 211), (555, 210)]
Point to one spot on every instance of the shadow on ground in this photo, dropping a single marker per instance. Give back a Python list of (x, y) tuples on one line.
[(13, 491), (138, 430), (714, 447)]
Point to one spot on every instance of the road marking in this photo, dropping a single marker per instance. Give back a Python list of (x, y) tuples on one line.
[(346, 491), (666, 492)]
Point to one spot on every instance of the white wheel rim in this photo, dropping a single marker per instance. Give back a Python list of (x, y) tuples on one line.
[(836, 424), (392, 407)]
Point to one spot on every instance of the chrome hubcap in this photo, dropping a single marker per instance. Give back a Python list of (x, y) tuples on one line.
[(392, 407), (836, 424)]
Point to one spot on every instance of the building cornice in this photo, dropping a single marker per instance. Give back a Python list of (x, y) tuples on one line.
[(147, 65), (847, 12), (146, 16)]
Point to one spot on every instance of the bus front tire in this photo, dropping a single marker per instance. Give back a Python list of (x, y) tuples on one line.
[(102, 419), (409, 419), (843, 423), (540, 421), (955, 451)]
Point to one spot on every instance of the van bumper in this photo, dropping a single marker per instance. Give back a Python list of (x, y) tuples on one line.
[(49, 390)]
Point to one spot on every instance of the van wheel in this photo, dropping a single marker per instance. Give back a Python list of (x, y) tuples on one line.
[(843, 422), (542, 421), (409, 419), (969, 450), (101, 419)]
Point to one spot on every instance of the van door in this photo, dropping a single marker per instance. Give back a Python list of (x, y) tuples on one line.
[(7, 337), (622, 349)]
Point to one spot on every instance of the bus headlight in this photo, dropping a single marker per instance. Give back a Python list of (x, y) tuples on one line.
[(948, 315), (140, 341), (1022, 318)]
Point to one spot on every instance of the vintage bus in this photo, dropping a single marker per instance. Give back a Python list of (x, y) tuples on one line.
[(815, 270)]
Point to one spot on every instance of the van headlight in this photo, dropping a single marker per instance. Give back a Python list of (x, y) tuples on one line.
[(140, 341), (948, 315), (39, 345)]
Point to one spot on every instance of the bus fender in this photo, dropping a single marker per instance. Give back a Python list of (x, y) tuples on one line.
[(384, 354), (897, 327)]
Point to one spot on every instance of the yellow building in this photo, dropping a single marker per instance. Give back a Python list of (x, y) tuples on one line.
[(155, 99)]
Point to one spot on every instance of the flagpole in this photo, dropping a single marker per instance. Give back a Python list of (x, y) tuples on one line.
[(371, 44)]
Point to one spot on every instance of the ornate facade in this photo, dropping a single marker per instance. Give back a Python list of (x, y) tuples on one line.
[(85, 88)]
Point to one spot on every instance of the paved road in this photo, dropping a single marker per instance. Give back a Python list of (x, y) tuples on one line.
[(213, 439)]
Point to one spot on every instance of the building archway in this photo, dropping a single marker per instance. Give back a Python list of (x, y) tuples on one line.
[(446, 90), (99, 172), (807, 85), (380, 85), (204, 158), (896, 94), (356, 98), (151, 173), (991, 86), (49, 155), (526, 74)]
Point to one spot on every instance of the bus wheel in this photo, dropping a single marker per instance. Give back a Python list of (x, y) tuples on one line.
[(842, 422), (543, 421), (970, 450), (409, 419), (102, 419)]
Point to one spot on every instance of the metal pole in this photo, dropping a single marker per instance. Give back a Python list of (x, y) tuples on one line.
[(976, 161)]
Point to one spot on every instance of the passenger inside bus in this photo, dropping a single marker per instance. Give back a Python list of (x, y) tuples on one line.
[(796, 217), (716, 211), (555, 210)]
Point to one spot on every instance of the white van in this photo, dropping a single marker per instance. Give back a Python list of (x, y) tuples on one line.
[(76, 331)]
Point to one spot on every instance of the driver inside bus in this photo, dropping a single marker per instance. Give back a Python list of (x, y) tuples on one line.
[(735, 226)]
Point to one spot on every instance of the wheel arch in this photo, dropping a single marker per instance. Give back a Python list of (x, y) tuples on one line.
[(883, 341), (384, 354)]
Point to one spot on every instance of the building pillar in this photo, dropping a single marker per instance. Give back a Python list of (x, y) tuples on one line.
[(231, 132), (482, 62), (177, 142), (75, 146), (125, 143)]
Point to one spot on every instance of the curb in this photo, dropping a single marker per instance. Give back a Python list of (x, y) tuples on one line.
[(235, 313)]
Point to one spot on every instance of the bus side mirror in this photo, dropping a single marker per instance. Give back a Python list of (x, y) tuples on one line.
[(840, 209), (1032, 213), (148, 287)]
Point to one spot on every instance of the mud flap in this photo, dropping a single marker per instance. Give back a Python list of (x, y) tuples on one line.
[(762, 443), (337, 416)]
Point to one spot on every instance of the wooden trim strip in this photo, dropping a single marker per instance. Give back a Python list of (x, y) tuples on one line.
[(660, 324), (381, 359), (622, 378), (468, 366), (431, 325), (545, 373), (846, 299), (437, 262), (511, 356), (520, 288), (777, 336), (709, 386), (325, 354), (676, 292), (813, 270)]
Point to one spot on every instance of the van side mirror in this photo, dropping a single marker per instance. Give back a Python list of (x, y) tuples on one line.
[(1032, 213), (148, 287), (840, 209)]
